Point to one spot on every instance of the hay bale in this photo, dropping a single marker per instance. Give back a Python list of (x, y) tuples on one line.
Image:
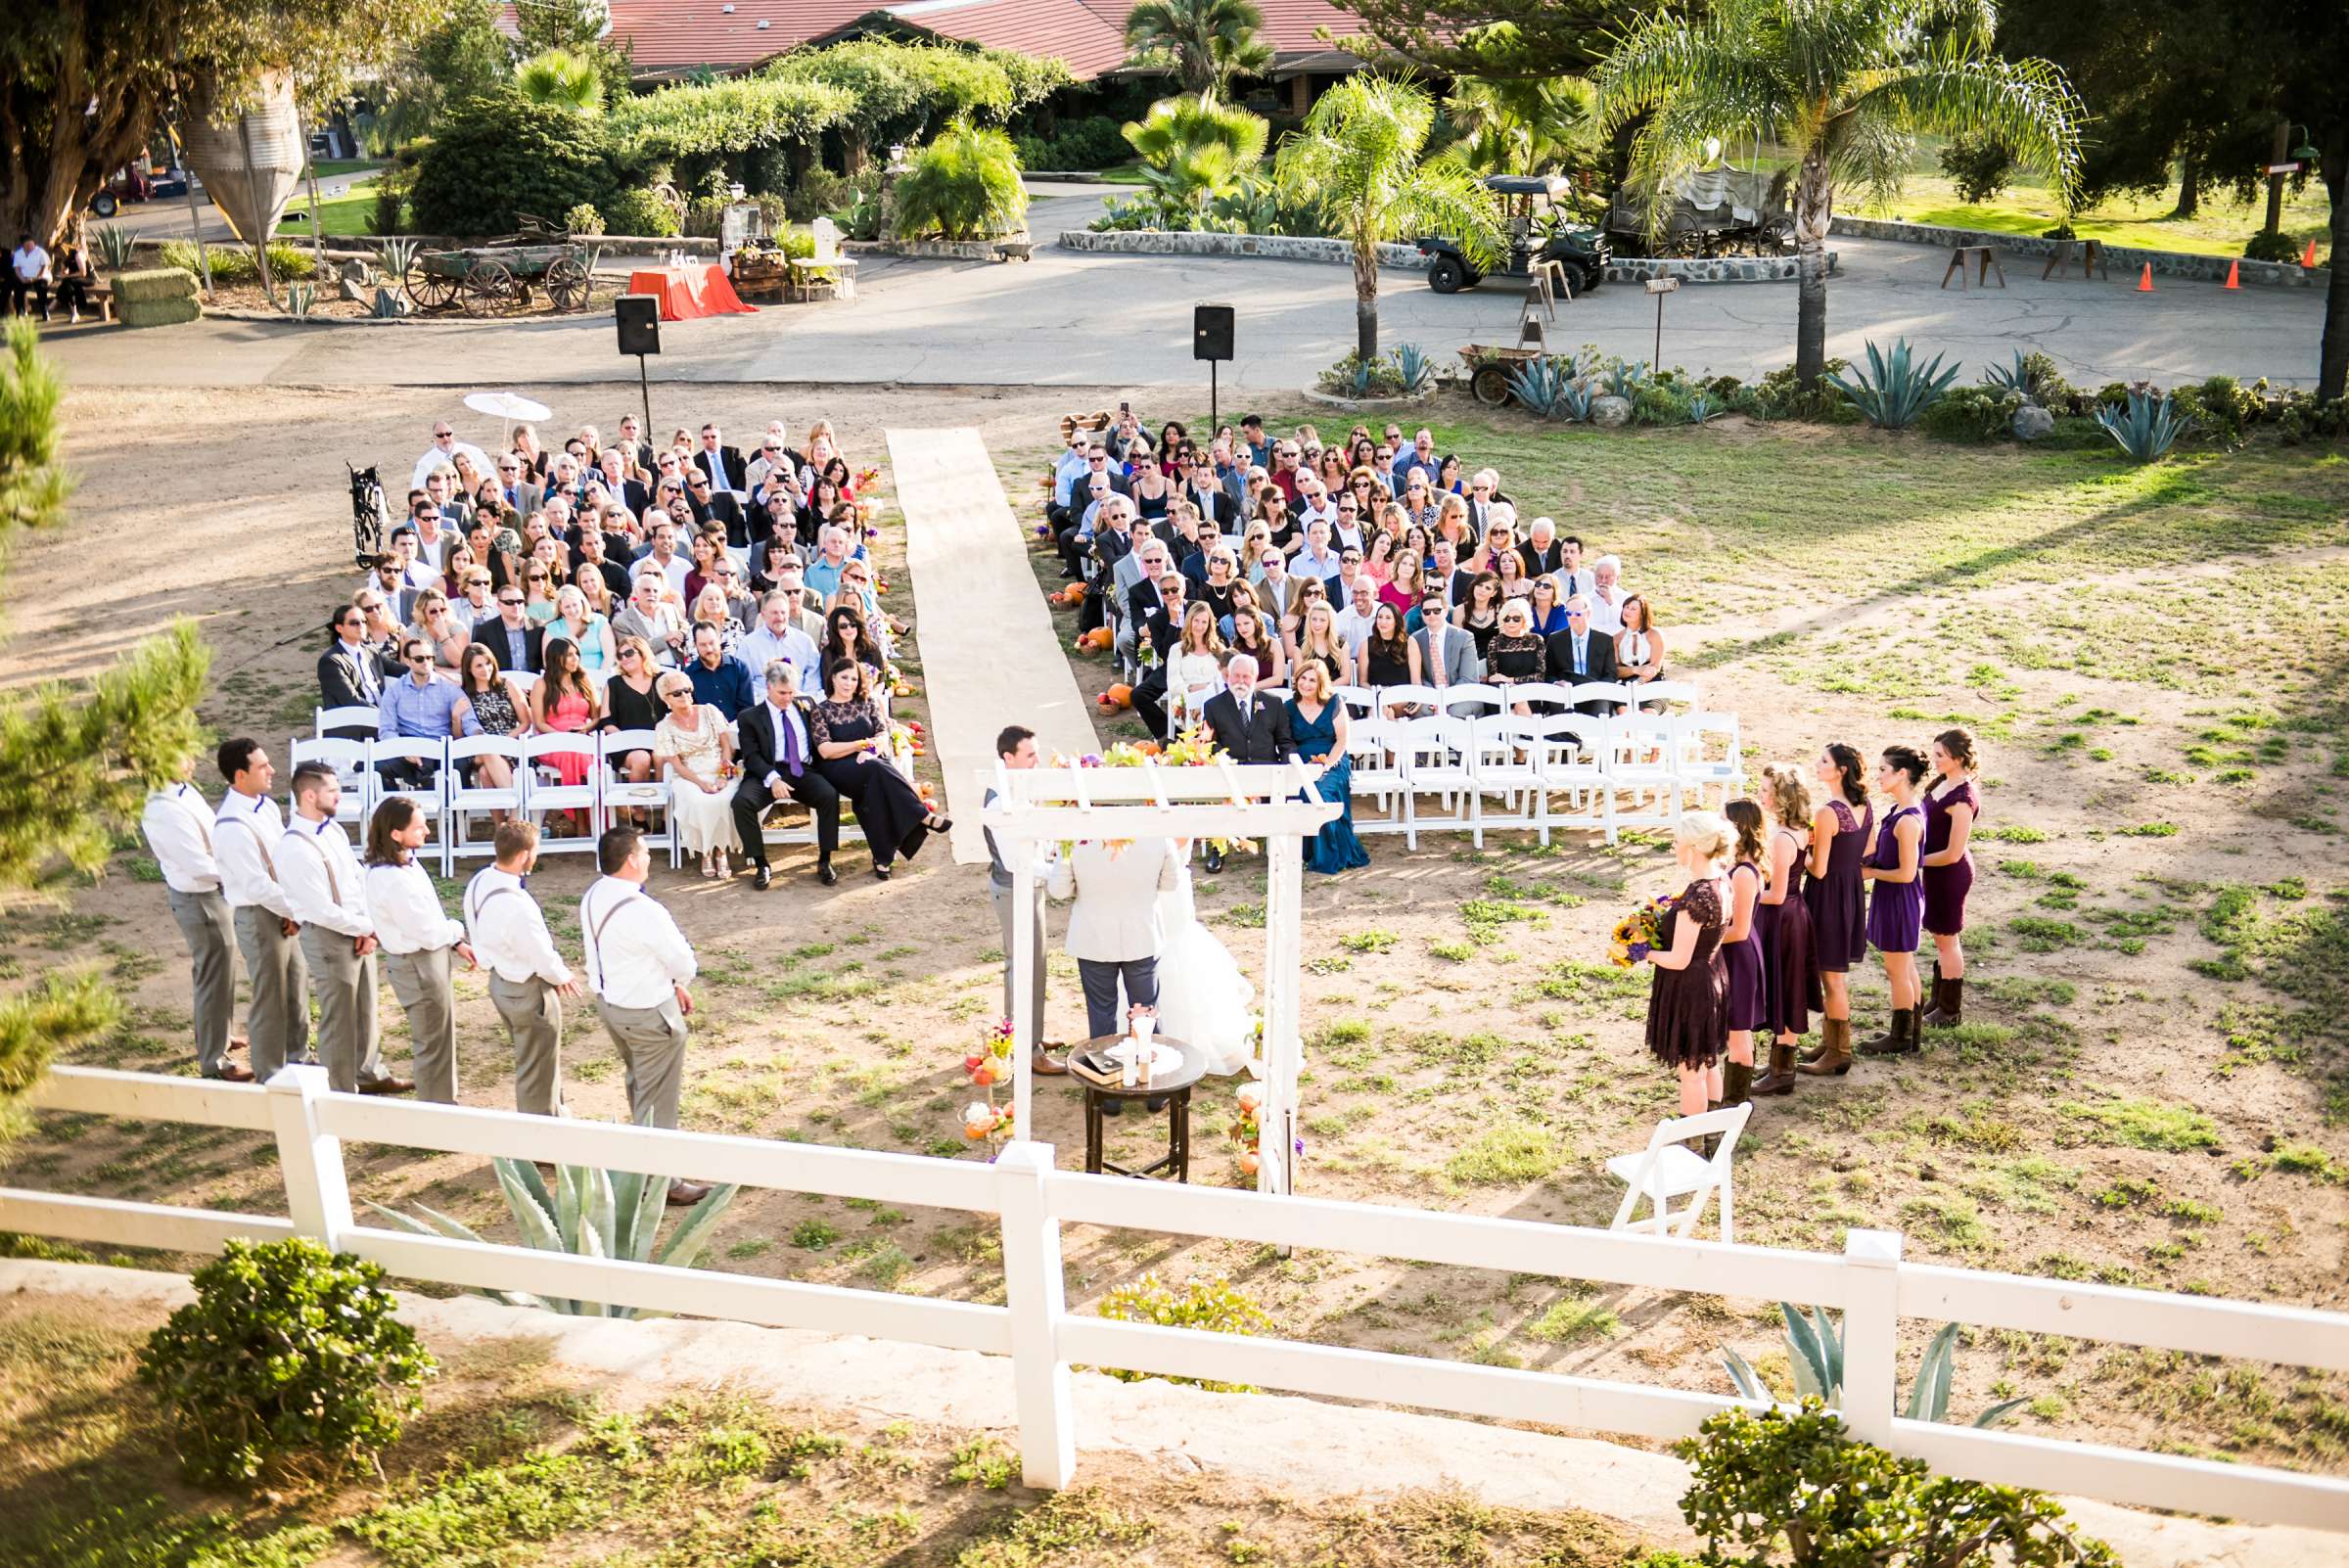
[(157, 312), (155, 283)]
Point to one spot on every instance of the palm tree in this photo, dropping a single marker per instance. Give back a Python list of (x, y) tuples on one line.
[(1196, 148), (563, 77), (1521, 127), (1843, 86), (1358, 163), (1204, 42)]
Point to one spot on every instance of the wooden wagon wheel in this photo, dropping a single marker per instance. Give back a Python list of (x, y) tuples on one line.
[(429, 290), (488, 289), (1686, 244), (568, 283), (1490, 386)]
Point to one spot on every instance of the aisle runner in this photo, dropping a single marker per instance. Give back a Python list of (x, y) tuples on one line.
[(990, 653)]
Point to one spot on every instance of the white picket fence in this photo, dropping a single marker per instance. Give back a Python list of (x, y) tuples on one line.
[(1868, 1283)]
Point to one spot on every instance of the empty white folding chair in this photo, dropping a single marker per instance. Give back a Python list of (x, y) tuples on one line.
[(348, 760), (1377, 774), (1507, 759), (523, 681), (1574, 774), (1359, 700), (1669, 1169), (1640, 776), (548, 791), (1406, 701), (357, 715), (1706, 754), (426, 757), (467, 800), (621, 793), (1274, 694), (1439, 762), (1471, 702), (1661, 696)]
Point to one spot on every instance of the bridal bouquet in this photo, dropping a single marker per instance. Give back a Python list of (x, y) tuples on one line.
[(1639, 933)]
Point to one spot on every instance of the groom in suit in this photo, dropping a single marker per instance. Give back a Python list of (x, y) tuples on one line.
[(1246, 726), (1114, 931), (777, 752)]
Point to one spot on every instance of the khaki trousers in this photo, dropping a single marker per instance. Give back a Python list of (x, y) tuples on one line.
[(279, 1016), (346, 987), (651, 1053), (534, 1016), (204, 919), (426, 989)]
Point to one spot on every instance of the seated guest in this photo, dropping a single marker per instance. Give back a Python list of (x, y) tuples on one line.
[(718, 678), (443, 450), (648, 616), (1221, 590), (1640, 645), (778, 636), (1353, 620), (1479, 613), (1509, 571), (422, 704), (1387, 657), (1315, 559), (1573, 577), (708, 548), (1581, 655), (581, 627), (847, 639), (1541, 551), (711, 610), (803, 616), (350, 675), (1447, 654), (695, 752), (498, 708), (566, 702), (853, 752), (1606, 595), (1548, 606), (511, 638), (1406, 585), (719, 506), (821, 575), (1518, 656), (436, 625), (1252, 635), (1316, 640)]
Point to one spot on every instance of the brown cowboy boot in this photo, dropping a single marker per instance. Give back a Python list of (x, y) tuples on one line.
[(1736, 1082), (1948, 1004), (1898, 1039), (1834, 1057), (1780, 1080)]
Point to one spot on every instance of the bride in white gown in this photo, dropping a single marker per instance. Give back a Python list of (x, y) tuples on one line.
[(1203, 999)]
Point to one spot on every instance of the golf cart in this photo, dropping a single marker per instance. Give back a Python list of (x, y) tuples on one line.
[(1537, 228)]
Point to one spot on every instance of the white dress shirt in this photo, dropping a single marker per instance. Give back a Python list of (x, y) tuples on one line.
[(1575, 581), (793, 647), (509, 933), (407, 913), (1353, 628), (245, 840), (321, 877), (434, 457), (178, 824), (636, 956), (1606, 619)]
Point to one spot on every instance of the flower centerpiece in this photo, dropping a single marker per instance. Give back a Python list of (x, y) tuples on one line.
[(1247, 1130), (988, 1067), (1194, 748), (1638, 934)]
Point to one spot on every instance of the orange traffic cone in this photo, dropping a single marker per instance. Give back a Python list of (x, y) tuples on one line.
[(2145, 280), (2308, 258), (2232, 281)]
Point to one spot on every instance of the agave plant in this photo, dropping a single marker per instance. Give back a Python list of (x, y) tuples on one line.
[(1702, 409), (589, 1214), (1815, 1356), (114, 243), (1623, 375), (1574, 399), (1412, 367), (1898, 389), (1359, 379), (2148, 427), (2016, 378), (299, 296), (394, 256), (1540, 383)]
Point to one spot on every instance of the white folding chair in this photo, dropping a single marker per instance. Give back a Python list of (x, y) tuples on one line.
[(357, 715), (523, 681), (544, 790), (1507, 759), (466, 799), (1471, 702), (1438, 760), (1359, 700), (1668, 1169), (1574, 765), (1658, 696), (1406, 701), (1377, 773), (1274, 694), (1534, 694), (1613, 693), (1706, 753), (622, 793), (1640, 767), (348, 760), (431, 755)]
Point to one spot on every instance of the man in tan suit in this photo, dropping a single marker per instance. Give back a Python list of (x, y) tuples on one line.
[(1113, 932)]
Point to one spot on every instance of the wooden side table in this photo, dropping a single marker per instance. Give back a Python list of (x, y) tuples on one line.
[(1174, 1087), (1983, 254)]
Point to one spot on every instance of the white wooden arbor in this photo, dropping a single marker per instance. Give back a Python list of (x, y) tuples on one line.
[(1274, 803)]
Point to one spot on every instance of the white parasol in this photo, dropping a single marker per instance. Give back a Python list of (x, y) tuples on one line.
[(507, 406)]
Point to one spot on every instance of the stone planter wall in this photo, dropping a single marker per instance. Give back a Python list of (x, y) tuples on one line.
[(952, 249), (370, 245), (1266, 247), (1712, 269), (2169, 263)]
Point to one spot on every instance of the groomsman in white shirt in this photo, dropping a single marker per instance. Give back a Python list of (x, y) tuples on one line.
[(178, 824), (639, 964), (327, 890), (417, 938), (245, 840), (528, 976)]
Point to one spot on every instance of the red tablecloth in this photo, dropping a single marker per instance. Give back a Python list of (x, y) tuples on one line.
[(689, 293)]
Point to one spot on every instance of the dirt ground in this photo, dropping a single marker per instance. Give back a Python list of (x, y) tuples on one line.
[(2149, 1090)]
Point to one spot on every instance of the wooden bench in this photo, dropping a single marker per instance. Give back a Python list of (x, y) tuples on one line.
[(2090, 251), (1986, 257)]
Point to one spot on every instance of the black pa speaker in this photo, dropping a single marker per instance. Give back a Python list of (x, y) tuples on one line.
[(639, 318), (1211, 331)]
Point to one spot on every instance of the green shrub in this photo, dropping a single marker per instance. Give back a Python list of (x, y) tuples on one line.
[(1659, 402), (584, 219), (2221, 409), (820, 193), (1972, 414), (642, 214), (500, 156), (1981, 166), (289, 1361), (1215, 1306), (2276, 247), (1779, 394), (233, 265), (1794, 1481), (1093, 142), (964, 185)]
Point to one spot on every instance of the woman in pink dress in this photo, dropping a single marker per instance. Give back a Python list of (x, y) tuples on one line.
[(566, 700)]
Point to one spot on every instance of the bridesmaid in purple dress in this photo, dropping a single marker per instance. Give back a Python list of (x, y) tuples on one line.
[(1741, 952), (1951, 805), (1689, 999), (1838, 903), (1785, 924), (1896, 903)]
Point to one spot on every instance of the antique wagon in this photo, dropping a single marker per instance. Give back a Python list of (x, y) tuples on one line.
[(1722, 211), (495, 278)]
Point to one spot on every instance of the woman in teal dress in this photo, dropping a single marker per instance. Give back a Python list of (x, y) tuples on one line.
[(1317, 729)]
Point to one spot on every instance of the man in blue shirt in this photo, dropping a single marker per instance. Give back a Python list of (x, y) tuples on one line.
[(718, 678), (418, 705), (1421, 459)]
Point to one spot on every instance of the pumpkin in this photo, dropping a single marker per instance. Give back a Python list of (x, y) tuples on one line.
[(1120, 695)]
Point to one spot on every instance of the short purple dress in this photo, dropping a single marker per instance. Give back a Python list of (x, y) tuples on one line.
[(1894, 908), (1784, 931), (1747, 1007), (1945, 885), (1839, 898), (1688, 1009)]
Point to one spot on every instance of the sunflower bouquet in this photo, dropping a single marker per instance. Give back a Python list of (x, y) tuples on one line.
[(1638, 934)]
